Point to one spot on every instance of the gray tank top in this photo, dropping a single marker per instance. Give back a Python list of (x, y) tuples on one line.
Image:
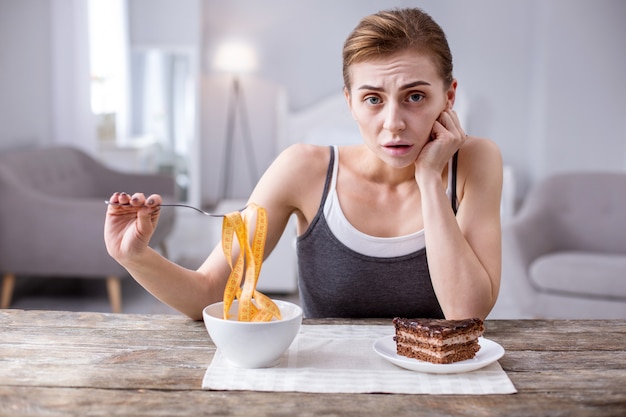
[(336, 281)]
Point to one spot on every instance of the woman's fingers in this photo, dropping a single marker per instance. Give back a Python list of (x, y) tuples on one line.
[(138, 200), (124, 200), (154, 200), (450, 121), (118, 199)]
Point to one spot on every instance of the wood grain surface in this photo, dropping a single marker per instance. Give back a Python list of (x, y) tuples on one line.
[(93, 364)]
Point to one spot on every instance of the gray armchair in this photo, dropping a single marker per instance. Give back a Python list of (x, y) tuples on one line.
[(564, 253), (52, 216)]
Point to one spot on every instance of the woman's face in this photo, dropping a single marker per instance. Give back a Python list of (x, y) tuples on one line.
[(395, 101)]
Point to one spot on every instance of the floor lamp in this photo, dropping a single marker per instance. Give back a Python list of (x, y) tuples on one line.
[(236, 58), (237, 107)]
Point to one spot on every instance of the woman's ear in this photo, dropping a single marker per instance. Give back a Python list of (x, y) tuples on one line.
[(346, 94), (451, 94)]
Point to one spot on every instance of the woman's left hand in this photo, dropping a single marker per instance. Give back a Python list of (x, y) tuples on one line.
[(447, 136)]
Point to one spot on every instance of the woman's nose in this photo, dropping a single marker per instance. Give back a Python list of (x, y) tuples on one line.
[(394, 121)]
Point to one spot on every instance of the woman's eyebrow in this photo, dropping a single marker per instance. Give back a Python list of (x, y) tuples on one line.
[(404, 87), (370, 87), (414, 84)]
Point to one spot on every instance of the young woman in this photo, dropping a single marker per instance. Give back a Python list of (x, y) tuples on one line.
[(405, 224)]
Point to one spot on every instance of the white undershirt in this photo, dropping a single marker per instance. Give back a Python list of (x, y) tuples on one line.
[(380, 247)]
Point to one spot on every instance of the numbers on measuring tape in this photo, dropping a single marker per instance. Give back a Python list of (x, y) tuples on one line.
[(244, 275)]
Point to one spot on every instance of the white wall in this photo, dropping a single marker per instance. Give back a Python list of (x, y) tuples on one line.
[(25, 90), (581, 65), (164, 23)]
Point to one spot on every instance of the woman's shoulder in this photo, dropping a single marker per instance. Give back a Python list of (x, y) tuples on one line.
[(480, 152), (482, 144), (307, 149), (296, 179), (480, 165), (304, 158), (296, 166)]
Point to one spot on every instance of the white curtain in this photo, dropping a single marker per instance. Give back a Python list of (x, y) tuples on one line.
[(72, 118), (72, 121), (109, 63)]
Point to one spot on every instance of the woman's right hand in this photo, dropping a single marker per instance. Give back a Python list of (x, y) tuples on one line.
[(128, 228)]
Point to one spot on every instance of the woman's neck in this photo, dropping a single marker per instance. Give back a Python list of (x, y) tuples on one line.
[(371, 168)]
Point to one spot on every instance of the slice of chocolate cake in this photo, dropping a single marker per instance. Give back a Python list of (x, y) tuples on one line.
[(436, 340)]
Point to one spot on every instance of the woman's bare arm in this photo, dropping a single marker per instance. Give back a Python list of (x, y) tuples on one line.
[(287, 187), (464, 253)]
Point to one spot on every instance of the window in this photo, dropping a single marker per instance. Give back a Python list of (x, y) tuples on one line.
[(108, 63)]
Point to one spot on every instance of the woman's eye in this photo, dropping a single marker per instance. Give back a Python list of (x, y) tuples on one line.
[(416, 97), (372, 100)]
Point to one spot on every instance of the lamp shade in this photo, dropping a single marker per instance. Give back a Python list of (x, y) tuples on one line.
[(235, 57)]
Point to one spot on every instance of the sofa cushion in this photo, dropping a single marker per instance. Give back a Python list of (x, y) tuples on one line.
[(584, 274), (56, 171)]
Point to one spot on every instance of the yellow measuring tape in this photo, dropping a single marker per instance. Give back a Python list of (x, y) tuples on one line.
[(250, 259)]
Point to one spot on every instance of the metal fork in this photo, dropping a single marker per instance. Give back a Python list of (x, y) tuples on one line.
[(176, 205)]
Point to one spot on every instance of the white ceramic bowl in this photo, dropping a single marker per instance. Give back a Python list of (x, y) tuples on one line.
[(252, 345)]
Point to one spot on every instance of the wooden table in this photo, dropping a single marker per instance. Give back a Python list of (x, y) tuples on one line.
[(65, 363)]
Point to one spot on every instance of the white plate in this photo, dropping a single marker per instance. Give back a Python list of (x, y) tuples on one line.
[(489, 352)]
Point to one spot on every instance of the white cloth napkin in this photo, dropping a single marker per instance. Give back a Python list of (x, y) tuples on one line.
[(341, 359)]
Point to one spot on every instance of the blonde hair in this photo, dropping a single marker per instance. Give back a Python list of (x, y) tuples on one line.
[(390, 31)]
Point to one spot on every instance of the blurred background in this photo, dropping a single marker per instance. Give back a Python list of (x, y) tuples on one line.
[(139, 84)]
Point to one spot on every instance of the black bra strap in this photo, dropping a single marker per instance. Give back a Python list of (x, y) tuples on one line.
[(455, 159)]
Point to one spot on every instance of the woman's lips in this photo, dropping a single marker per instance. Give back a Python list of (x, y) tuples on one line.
[(398, 149)]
